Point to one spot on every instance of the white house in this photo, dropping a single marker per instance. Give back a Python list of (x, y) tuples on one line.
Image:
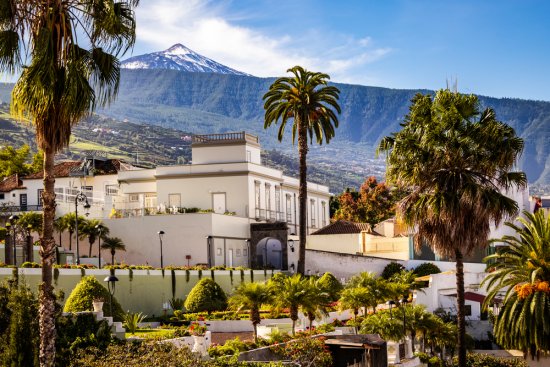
[(224, 208)]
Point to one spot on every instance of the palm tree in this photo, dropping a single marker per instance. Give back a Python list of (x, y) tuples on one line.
[(90, 231), (521, 270), (61, 83), (291, 292), (60, 225), (113, 244), (251, 296), (69, 223), (311, 104), (378, 289), (382, 323), (354, 298), (418, 320), (454, 160), (317, 301)]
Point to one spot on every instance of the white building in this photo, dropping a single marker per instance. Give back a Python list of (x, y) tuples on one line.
[(208, 209)]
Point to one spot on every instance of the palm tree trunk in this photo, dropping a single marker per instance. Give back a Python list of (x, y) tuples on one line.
[(413, 338), (302, 151), (47, 249), (460, 309), (293, 317), (90, 250), (113, 258), (70, 240)]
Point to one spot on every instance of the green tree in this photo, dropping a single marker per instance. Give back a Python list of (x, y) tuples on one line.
[(61, 83), (251, 297), (90, 230), (455, 160), (83, 295), (317, 301), (373, 203), (30, 222), (311, 104), (15, 161), (207, 296), (69, 224), (60, 225), (113, 244), (387, 326), (329, 284), (354, 298), (291, 292), (521, 270), (377, 289), (426, 269)]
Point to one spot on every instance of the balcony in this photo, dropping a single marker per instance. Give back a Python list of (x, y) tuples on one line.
[(224, 138), (269, 215), (12, 209)]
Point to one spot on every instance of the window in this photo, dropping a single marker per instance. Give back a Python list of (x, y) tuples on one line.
[(1, 196), (312, 213), (268, 197), (245, 252), (324, 212), (248, 156), (174, 200), (111, 190), (257, 194), (467, 310), (133, 198), (238, 252), (288, 208), (278, 199), (40, 191)]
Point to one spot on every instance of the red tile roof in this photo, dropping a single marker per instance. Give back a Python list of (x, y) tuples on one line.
[(64, 169), (343, 227), (11, 183)]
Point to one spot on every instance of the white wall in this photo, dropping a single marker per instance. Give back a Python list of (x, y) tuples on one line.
[(207, 154), (349, 243)]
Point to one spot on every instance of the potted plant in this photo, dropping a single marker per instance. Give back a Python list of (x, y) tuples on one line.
[(97, 303), (197, 331)]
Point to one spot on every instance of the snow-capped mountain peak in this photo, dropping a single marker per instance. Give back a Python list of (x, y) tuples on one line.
[(178, 57)]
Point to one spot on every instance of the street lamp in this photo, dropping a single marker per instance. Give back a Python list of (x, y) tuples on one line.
[(391, 303), (404, 301), (12, 220), (99, 229), (111, 282), (291, 244), (161, 233), (80, 198)]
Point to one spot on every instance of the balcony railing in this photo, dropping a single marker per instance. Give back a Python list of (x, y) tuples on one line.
[(222, 138), (8, 210), (270, 215)]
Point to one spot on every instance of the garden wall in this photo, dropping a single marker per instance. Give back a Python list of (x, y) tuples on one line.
[(141, 290)]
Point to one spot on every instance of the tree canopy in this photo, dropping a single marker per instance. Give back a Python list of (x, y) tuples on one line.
[(19, 161)]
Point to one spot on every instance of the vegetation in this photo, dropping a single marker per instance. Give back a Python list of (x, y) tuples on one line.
[(455, 160), (332, 286), (426, 269), (85, 292), (206, 296), (306, 352), (90, 230), (292, 293), (132, 321), (59, 84), (113, 244), (485, 360), (251, 296), (391, 269), (374, 203), (14, 160), (311, 104), (30, 222), (521, 270)]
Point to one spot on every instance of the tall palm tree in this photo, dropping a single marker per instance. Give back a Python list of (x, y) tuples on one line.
[(353, 298), (291, 292), (418, 320), (317, 301), (113, 244), (454, 159), (382, 323), (378, 289), (90, 231), (61, 83), (251, 296), (521, 271), (311, 104)]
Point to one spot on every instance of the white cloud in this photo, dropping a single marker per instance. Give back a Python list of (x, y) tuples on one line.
[(203, 27)]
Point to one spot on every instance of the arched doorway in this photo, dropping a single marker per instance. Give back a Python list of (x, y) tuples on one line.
[(269, 253)]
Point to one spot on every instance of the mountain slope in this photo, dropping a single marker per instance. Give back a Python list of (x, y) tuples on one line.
[(208, 103), (178, 57)]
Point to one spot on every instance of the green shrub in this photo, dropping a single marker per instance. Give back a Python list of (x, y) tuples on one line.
[(19, 318), (85, 292), (436, 362), (28, 264), (423, 357), (426, 269), (3, 233), (206, 296), (176, 304), (485, 360), (391, 269), (331, 285), (131, 321)]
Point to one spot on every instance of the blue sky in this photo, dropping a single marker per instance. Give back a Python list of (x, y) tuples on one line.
[(496, 48)]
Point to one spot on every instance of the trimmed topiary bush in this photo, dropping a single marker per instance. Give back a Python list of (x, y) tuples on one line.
[(85, 292), (426, 269), (391, 269), (207, 296)]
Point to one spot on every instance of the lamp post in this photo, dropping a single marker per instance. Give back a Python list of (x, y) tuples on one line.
[(391, 303), (161, 233), (12, 220), (404, 302), (99, 229), (111, 283), (291, 244), (80, 198)]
